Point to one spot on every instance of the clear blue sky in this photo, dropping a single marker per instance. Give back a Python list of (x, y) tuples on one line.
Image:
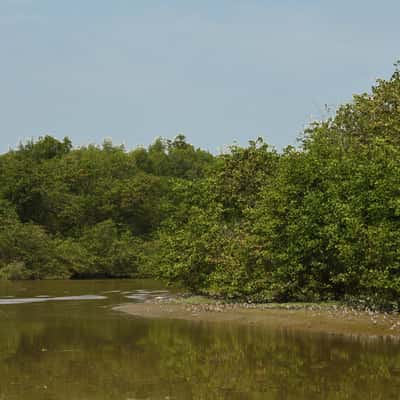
[(215, 70)]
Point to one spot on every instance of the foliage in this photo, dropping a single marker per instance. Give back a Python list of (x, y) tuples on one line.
[(89, 211), (317, 222)]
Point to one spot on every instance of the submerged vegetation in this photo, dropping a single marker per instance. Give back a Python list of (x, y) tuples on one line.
[(313, 223)]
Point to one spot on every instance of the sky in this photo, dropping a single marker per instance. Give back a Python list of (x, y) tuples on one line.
[(218, 71)]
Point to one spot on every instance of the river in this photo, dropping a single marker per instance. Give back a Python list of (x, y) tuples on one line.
[(61, 340)]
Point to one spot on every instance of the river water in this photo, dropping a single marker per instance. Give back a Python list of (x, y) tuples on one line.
[(61, 340)]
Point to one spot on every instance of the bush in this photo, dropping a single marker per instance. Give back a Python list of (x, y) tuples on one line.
[(15, 271)]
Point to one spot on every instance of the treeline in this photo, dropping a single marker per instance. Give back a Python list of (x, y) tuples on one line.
[(317, 222), (88, 212)]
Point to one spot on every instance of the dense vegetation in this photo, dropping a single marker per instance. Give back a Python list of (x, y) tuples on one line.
[(317, 222)]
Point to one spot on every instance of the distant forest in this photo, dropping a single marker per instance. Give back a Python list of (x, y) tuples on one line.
[(320, 221)]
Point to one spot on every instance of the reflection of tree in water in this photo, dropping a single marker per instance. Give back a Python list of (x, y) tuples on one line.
[(122, 358)]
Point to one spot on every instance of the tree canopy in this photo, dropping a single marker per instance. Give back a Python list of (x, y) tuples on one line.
[(317, 222)]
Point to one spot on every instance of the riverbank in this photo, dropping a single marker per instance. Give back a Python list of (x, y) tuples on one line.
[(328, 318)]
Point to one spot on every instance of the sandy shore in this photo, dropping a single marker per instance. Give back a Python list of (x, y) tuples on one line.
[(332, 319)]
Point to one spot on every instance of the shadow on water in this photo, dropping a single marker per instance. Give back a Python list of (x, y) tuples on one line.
[(80, 349)]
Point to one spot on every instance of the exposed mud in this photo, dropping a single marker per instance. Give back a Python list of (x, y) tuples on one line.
[(332, 319)]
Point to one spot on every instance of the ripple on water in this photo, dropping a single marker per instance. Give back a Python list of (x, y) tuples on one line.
[(111, 291), (137, 297), (25, 300), (143, 295)]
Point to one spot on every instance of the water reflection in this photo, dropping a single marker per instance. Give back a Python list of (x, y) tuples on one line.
[(83, 350)]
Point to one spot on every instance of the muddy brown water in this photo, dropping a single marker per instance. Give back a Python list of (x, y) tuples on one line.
[(61, 340)]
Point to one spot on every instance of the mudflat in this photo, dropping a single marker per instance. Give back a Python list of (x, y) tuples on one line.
[(331, 319)]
